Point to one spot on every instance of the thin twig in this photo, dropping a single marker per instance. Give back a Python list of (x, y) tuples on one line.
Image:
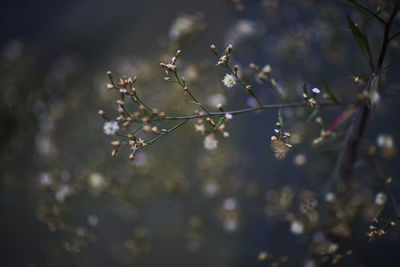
[(246, 110)]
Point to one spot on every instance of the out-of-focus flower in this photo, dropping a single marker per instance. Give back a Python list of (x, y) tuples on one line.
[(45, 179), (210, 142), (96, 183), (216, 99), (140, 159), (251, 102), (244, 30), (380, 198), (210, 189), (231, 225), (185, 25), (385, 141), (296, 227), (229, 204), (93, 220), (262, 256), (330, 197), (110, 127), (300, 160), (63, 191), (229, 80)]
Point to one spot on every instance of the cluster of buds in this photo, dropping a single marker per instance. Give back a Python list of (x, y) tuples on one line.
[(324, 134), (223, 60), (134, 145), (116, 145), (171, 66), (144, 115), (310, 98), (201, 124), (280, 142), (375, 230)]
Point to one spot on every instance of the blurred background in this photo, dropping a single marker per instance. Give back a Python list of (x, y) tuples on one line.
[(64, 201)]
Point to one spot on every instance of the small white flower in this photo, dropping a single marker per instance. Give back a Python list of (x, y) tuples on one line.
[(297, 228), (110, 127), (229, 80), (316, 90), (210, 142), (380, 198), (228, 116)]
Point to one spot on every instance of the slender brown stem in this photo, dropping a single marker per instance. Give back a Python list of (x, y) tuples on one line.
[(246, 110)]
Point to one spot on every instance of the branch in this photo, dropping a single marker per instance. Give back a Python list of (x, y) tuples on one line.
[(246, 110)]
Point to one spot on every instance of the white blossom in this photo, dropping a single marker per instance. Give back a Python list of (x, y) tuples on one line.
[(110, 127), (316, 90), (231, 225), (229, 80)]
